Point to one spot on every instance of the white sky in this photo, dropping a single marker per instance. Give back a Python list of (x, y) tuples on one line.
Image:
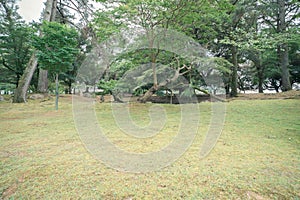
[(31, 9)]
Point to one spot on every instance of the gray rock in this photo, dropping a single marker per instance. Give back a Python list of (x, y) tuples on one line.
[(36, 96), (1, 98), (88, 95)]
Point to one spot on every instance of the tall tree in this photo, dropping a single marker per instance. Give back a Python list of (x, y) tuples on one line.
[(235, 35), (57, 50), (151, 15), (21, 90), (219, 26), (242, 33), (281, 16), (15, 40), (255, 42), (65, 15), (43, 74)]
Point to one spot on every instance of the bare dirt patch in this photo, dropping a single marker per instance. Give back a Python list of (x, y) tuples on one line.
[(255, 196), (13, 188)]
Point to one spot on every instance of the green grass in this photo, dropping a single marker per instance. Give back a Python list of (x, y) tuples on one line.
[(256, 157)]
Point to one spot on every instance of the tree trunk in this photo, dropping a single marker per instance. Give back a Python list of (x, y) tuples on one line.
[(153, 57), (260, 71), (70, 87), (234, 72), (21, 90), (283, 48), (260, 76), (153, 65), (53, 10), (56, 91), (43, 81), (154, 88), (285, 74), (227, 89), (148, 94)]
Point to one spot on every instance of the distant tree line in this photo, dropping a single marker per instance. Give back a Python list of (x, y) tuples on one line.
[(255, 43)]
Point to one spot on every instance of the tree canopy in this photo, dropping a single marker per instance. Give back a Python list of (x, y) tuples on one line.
[(255, 44)]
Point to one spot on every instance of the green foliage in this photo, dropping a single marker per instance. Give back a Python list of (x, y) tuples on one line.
[(204, 20), (121, 66), (57, 47), (217, 25), (105, 23), (294, 55), (15, 43), (107, 86)]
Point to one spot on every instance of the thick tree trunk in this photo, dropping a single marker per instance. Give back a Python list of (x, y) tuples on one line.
[(234, 71), (43, 81), (21, 90), (283, 48), (148, 94), (284, 63), (154, 88), (53, 10), (257, 59)]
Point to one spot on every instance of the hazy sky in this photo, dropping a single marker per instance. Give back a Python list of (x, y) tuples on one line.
[(31, 9)]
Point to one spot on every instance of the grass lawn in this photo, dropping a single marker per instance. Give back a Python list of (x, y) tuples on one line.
[(256, 157)]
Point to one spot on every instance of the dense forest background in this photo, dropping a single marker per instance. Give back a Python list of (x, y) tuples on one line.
[(255, 43)]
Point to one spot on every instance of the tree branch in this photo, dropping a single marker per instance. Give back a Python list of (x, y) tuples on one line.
[(269, 22), (8, 67)]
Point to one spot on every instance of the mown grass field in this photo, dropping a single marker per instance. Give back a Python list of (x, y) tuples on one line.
[(256, 157)]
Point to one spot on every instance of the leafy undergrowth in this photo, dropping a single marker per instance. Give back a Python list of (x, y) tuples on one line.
[(256, 157)]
